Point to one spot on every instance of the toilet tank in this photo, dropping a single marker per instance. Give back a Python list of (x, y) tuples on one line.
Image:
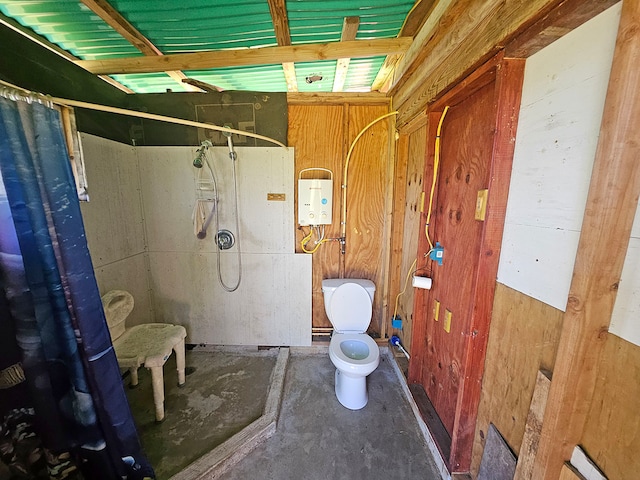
[(329, 285)]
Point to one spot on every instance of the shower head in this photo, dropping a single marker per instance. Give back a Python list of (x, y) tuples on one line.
[(198, 161), (225, 132)]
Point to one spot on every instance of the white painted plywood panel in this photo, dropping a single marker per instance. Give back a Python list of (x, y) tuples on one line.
[(272, 306), (535, 266), (625, 320), (129, 274), (267, 225), (113, 216), (167, 184), (169, 192), (563, 98)]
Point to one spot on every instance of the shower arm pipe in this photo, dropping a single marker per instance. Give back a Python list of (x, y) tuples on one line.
[(161, 118), (343, 220)]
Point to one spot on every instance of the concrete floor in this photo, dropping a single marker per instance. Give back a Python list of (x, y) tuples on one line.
[(315, 438), (225, 393)]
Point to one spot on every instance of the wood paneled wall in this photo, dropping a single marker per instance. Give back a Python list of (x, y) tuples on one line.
[(321, 136), (612, 433), (525, 333), (410, 154), (523, 339)]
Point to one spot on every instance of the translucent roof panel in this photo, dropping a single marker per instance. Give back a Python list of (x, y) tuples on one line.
[(185, 26)]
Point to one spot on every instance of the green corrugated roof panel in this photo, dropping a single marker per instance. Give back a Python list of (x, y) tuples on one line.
[(70, 25), (257, 78), (326, 69), (150, 83), (195, 25), (362, 73), (187, 26), (321, 20)]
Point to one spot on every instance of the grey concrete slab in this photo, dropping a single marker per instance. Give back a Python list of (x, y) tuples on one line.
[(317, 438), (225, 393)]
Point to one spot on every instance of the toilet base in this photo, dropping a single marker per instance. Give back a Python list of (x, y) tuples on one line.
[(351, 391)]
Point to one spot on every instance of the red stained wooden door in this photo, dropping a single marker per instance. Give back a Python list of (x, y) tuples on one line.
[(451, 321), (467, 143)]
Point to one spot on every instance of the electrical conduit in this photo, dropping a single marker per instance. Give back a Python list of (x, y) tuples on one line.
[(343, 216)]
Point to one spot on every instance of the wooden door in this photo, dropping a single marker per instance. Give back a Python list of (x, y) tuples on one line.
[(451, 320)]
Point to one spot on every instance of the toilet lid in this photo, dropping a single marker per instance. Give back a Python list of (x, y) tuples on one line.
[(350, 308)]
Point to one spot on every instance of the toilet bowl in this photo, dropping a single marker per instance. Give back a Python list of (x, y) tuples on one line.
[(354, 353)]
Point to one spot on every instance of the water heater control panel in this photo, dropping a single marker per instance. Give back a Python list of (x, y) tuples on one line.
[(315, 201)]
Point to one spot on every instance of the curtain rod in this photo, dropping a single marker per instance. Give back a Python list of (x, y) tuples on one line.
[(13, 92), (27, 95)]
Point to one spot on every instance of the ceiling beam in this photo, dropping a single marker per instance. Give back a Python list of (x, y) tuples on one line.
[(115, 20), (280, 20), (349, 31), (416, 18), (338, 98), (278, 9), (249, 56)]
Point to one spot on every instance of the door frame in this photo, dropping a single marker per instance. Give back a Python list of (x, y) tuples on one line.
[(507, 76)]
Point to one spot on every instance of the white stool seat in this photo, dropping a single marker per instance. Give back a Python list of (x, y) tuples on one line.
[(149, 345)]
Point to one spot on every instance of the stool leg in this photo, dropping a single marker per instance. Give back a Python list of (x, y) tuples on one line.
[(179, 349), (133, 371), (158, 392)]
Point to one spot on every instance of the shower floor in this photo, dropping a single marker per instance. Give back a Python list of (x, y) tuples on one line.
[(315, 438), (226, 392)]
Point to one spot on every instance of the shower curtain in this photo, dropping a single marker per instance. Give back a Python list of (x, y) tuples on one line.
[(64, 362)]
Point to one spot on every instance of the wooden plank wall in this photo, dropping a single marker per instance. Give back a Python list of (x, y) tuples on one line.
[(612, 432), (408, 187), (525, 332), (523, 339), (321, 136)]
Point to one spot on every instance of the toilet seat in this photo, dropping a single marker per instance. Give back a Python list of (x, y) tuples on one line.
[(350, 308), (360, 367)]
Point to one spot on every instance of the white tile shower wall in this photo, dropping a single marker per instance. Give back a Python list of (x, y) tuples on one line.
[(272, 306), (129, 274), (114, 222), (273, 303)]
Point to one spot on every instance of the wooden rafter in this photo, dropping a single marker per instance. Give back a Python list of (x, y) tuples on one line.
[(349, 30), (416, 18), (278, 9), (252, 56), (115, 20)]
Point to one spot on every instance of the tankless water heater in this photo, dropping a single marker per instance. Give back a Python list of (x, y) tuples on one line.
[(315, 199)]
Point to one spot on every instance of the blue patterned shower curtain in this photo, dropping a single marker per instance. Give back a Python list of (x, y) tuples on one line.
[(78, 401)]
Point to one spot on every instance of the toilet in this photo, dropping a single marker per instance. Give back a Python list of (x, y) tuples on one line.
[(355, 354)]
